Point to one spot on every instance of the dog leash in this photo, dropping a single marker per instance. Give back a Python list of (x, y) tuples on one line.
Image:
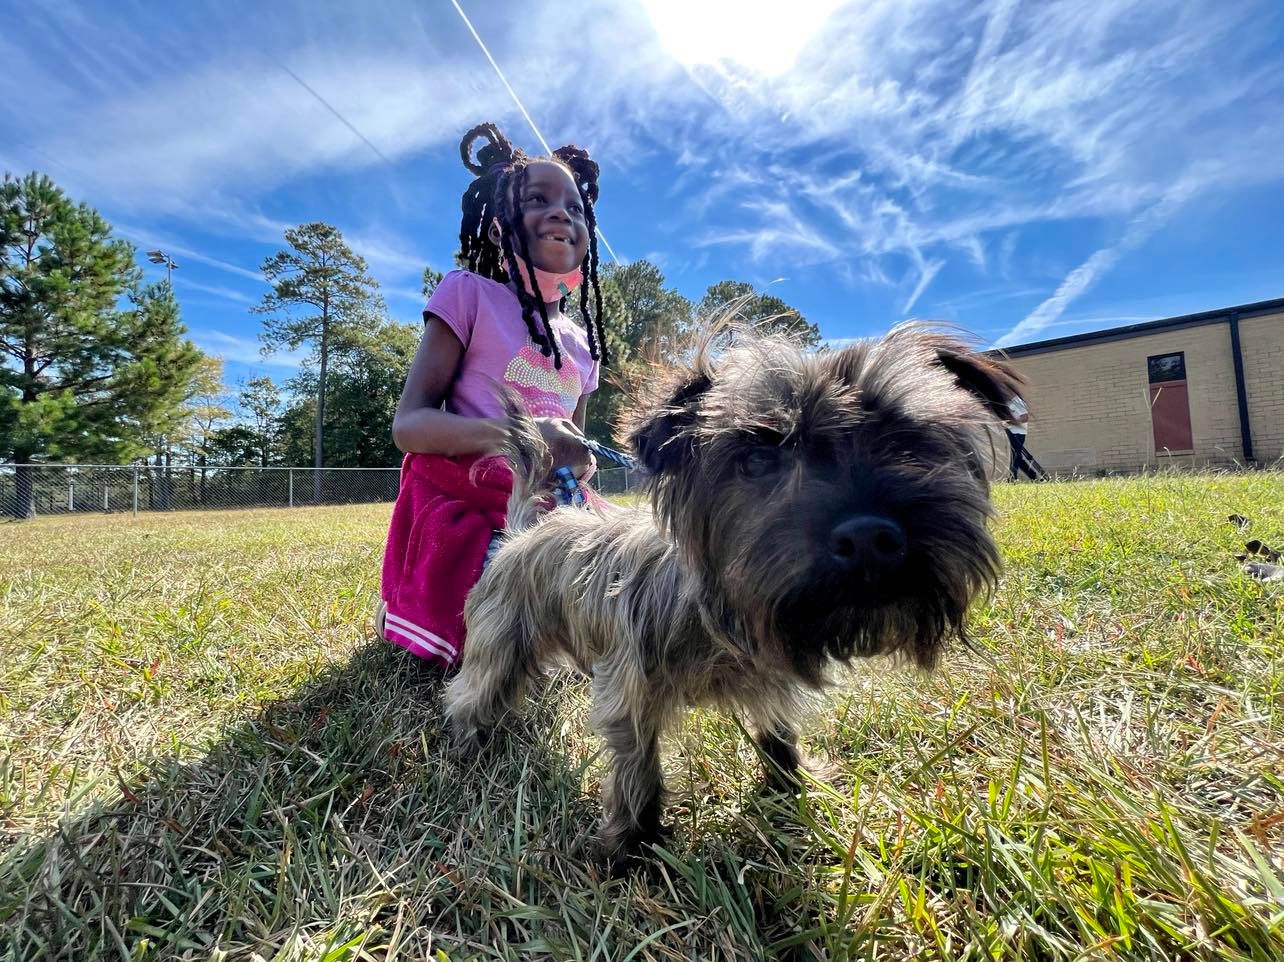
[(610, 454), (567, 489)]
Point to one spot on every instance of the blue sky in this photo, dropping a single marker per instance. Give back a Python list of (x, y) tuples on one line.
[(1026, 170)]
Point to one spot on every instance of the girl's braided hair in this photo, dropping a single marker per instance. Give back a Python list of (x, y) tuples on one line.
[(496, 193)]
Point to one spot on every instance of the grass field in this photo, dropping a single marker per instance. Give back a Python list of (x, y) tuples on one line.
[(204, 755)]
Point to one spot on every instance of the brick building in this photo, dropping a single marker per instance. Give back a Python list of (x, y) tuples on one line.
[(1193, 391)]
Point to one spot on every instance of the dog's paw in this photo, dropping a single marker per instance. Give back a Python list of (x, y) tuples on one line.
[(790, 781), (625, 848), (468, 739)]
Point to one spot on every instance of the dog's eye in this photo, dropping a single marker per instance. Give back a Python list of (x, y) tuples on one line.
[(760, 462)]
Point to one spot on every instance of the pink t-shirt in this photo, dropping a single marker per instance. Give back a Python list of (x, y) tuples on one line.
[(487, 318)]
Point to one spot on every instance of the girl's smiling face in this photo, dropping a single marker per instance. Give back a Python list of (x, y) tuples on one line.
[(553, 215)]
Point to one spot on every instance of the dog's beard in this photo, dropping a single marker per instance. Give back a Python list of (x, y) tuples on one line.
[(820, 623), (816, 615)]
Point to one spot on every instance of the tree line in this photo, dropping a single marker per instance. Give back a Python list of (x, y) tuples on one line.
[(96, 365)]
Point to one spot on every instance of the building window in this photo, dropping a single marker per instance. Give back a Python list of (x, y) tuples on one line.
[(1166, 367), (1169, 403)]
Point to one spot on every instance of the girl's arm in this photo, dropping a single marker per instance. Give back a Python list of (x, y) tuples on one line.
[(420, 426), (588, 466)]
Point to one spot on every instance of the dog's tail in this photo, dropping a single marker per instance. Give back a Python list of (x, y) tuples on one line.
[(524, 448)]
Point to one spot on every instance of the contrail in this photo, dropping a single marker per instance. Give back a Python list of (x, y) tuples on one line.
[(342, 119)]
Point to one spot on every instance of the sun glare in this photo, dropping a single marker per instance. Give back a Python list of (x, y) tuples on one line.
[(763, 36)]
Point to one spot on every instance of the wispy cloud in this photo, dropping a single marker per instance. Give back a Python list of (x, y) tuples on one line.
[(780, 229), (913, 131), (1007, 249), (1089, 322), (876, 142), (146, 239), (415, 294), (159, 125), (226, 293), (1086, 274), (244, 350), (975, 250), (930, 270), (387, 254)]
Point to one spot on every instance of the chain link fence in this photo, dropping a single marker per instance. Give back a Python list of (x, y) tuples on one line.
[(32, 490), (43, 489), (616, 482)]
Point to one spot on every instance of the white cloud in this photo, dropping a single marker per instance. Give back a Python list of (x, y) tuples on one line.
[(975, 250), (753, 34), (916, 125), (159, 126), (145, 240), (244, 350), (1007, 248), (782, 231), (1099, 320), (386, 254), (248, 123), (226, 293), (415, 294), (1086, 274), (878, 137)]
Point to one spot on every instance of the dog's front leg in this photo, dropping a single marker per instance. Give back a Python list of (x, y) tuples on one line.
[(634, 794), (781, 758)]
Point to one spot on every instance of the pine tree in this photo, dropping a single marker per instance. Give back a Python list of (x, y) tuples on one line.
[(87, 374), (365, 385), (161, 381), (431, 279), (765, 312), (320, 290)]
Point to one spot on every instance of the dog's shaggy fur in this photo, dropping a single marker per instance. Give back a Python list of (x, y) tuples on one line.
[(807, 509)]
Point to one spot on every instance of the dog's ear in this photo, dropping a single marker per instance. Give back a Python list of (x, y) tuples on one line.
[(992, 381), (660, 433)]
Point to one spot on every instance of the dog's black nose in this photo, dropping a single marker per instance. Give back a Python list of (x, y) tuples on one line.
[(868, 541)]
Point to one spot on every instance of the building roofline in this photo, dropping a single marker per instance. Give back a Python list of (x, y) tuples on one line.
[(1219, 316)]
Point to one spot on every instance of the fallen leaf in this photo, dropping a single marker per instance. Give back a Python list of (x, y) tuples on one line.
[(125, 789)]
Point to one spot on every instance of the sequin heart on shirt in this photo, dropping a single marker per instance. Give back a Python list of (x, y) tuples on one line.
[(548, 392)]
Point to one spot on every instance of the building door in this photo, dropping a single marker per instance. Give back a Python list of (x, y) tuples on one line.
[(1169, 403)]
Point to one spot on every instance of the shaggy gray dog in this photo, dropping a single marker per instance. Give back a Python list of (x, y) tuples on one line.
[(806, 509)]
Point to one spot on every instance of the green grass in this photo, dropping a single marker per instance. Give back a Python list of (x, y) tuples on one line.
[(205, 756)]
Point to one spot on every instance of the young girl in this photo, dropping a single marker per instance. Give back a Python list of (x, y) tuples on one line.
[(499, 322)]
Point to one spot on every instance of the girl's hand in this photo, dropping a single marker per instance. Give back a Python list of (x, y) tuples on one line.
[(566, 444)]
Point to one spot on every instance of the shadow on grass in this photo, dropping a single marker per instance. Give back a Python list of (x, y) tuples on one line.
[(336, 818), (323, 813)]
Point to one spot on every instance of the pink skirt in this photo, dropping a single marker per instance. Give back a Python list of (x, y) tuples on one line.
[(442, 525)]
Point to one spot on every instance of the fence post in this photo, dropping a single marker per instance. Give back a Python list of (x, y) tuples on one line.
[(135, 491), (291, 487), (106, 495), (71, 495)]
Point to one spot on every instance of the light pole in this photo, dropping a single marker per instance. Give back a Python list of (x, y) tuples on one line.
[(171, 265), (160, 257)]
